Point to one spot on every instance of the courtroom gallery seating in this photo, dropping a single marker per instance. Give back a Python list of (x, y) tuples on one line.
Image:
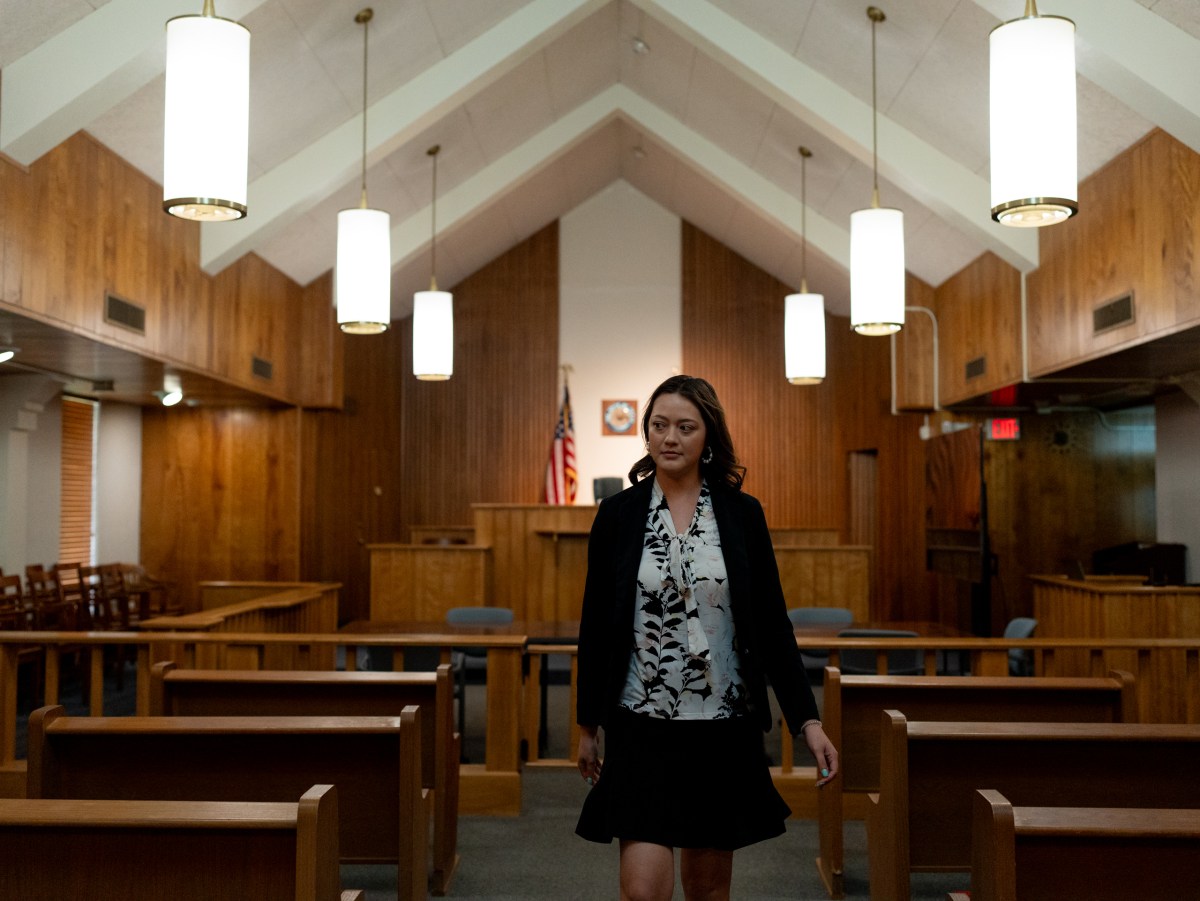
[(920, 819), (853, 705), (1079, 853), (185, 851), (202, 692), (373, 761)]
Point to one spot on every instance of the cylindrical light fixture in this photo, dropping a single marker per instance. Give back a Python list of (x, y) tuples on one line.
[(363, 272), (362, 282), (207, 117), (804, 313), (433, 311), (876, 243), (433, 335), (1033, 130), (804, 338), (877, 271)]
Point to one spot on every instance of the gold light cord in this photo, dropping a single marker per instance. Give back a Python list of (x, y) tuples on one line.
[(805, 153), (433, 152), (363, 18), (875, 14)]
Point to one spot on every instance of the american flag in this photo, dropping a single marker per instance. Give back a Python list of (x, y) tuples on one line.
[(561, 478)]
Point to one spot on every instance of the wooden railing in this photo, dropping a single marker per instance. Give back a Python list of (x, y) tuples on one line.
[(1166, 674)]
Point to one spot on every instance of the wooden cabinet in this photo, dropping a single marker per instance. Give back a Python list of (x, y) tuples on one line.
[(255, 327), (1137, 234), (915, 362), (979, 321), (81, 225)]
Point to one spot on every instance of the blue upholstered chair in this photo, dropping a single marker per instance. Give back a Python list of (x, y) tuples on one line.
[(1020, 660), (835, 617)]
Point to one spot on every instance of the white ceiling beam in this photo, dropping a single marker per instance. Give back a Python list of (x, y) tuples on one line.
[(1136, 55), (944, 185), (490, 184), (70, 80), (301, 182)]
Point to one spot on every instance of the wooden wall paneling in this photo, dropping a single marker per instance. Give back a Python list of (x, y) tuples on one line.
[(1136, 231), (432, 449), (484, 435), (61, 272), (862, 421), (793, 439), (733, 337), (979, 316), (915, 362), (105, 232), (256, 312), (1070, 486), (222, 500), (14, 205), (319, 353), (952, 522), (354, 483)]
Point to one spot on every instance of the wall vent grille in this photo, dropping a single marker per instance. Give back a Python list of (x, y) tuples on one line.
[(261, 368), (1113, 314), (976, 367), (125, 314)]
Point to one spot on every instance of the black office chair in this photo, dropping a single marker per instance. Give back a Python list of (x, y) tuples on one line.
[(474, 659), (1020, 660), (606, 486), (900, 662), (818, 658)]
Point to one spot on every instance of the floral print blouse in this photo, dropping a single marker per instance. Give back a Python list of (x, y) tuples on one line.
[(684, 664)]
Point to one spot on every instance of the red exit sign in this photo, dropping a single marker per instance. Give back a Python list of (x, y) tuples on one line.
[(1006, 429)]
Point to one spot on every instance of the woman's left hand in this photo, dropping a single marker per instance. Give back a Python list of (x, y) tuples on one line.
[(823, 752)]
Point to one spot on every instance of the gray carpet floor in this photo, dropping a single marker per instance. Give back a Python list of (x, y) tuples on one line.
[(538, 856)]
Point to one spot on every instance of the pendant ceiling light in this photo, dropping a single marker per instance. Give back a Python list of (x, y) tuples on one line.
[(804, 313), (1033, 133), (207, 117), (876, 243), (363, 271), (433, 311)]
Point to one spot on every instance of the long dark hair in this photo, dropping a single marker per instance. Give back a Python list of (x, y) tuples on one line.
[(723, 468)]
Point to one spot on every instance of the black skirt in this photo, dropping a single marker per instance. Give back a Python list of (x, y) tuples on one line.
[(683, 784)]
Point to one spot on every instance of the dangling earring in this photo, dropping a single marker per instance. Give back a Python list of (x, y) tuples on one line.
[(707, 456)]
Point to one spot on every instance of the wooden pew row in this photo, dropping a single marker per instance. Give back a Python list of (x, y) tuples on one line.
[(1081, 854), (373, 761), (198, 692), (920, 820), (854, 704), (186, 851)]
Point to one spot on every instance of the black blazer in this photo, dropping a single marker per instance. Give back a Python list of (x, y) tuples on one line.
[(765, 642)]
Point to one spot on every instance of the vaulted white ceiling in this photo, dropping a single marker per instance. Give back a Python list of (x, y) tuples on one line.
[(538, 104)]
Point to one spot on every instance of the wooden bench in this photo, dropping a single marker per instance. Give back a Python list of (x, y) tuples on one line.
[(1081, 854), (204, 692), (852, 706), (920, 820), (182, 850), (373, 761)]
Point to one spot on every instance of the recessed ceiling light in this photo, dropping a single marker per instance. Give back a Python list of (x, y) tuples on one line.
[(640, 46), (7, 353)]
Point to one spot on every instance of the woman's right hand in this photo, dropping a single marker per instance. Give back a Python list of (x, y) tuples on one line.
[(588, 757)]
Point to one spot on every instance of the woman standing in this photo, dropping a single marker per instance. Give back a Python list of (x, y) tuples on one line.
[(683, 623)]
